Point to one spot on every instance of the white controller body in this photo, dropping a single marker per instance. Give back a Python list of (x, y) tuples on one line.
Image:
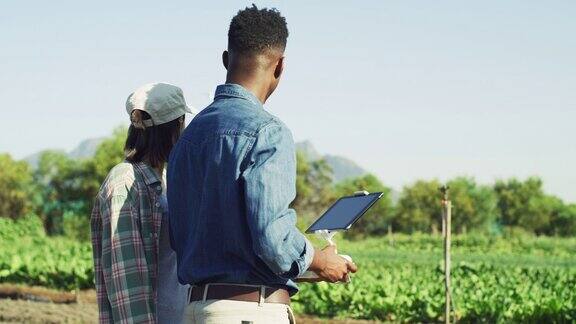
[(312, 275)]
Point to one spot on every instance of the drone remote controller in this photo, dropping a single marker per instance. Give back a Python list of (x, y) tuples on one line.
[(328, 236)]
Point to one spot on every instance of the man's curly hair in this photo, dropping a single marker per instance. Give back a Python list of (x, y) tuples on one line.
[(255, 30)]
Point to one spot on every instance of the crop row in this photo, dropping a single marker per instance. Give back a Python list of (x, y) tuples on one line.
[(494, 280)]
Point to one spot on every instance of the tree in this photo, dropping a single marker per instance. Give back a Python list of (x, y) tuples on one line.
[(109, 153), (16, 188), (59, 181), (313, 187), (93, 172), (524, 204), (474, 206), (68, 186), (563, 221), (377, 219), (418, 208)]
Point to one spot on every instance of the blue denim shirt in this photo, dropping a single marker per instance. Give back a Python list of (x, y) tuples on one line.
[(231, 178)]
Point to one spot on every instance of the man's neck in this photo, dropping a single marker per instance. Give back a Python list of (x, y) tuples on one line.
[(257, 88)]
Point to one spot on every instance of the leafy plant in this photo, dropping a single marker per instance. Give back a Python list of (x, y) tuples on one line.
[(495, 278)]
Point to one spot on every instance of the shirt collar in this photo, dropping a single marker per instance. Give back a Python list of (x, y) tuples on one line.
[(236, 90), (150, 176)]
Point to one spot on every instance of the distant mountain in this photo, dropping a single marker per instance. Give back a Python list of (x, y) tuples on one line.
[(306, 148), (342, 168), (34, 159), (85, 149)]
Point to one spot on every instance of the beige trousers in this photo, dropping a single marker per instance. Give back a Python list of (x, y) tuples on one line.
[(237, 312)]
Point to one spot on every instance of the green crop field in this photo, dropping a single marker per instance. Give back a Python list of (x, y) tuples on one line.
[(28, 256), (521, 279), (498, 280)]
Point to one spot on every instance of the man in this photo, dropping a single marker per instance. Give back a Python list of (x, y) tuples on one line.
[(231, 178)]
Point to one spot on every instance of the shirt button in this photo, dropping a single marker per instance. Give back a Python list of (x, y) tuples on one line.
[(159, 188), (157, 204)]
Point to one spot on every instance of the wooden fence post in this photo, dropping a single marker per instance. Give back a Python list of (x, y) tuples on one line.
[(447, 229)]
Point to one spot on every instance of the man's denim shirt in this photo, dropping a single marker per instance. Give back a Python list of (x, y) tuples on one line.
[(231, 178)]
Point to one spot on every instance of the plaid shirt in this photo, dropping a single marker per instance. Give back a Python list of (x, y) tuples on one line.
[(125, 227)]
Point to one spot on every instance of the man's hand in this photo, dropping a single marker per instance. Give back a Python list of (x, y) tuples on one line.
[(331, 267)]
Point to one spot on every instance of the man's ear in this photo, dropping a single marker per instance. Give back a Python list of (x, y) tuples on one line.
[(279, 68), (225, 59)]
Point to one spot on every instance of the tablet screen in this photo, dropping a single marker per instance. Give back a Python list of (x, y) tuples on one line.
[(344, 212)]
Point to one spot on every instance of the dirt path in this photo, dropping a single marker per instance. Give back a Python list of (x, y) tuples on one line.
[(22, 304), (22, 311)]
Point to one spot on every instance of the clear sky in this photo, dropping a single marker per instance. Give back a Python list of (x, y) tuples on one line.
[(408, 89)]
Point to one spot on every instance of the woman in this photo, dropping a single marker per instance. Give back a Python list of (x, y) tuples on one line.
[(135, 268)]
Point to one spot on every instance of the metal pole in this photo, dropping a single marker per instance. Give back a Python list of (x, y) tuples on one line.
[(446, 222)]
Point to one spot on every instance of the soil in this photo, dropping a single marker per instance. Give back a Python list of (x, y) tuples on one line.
[(23, 304), (24, 311)]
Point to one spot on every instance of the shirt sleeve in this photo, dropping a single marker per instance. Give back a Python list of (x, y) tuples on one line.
[(127, 281), (270, 187), (104, 314)]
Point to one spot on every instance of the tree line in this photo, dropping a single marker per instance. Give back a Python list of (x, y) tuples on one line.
[(509, 206), (60, 190)]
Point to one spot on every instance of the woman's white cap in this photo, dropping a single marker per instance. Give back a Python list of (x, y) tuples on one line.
[(162, 101)]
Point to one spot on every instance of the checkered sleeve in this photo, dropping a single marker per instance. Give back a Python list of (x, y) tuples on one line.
[(126, 279), (105, 315)]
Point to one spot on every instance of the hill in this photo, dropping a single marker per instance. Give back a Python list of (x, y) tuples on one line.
[(342, 167)]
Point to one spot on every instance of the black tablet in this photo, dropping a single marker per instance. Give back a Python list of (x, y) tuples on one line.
[(344, 212)]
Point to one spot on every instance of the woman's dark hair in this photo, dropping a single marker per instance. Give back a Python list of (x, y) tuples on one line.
[(151, 144)]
